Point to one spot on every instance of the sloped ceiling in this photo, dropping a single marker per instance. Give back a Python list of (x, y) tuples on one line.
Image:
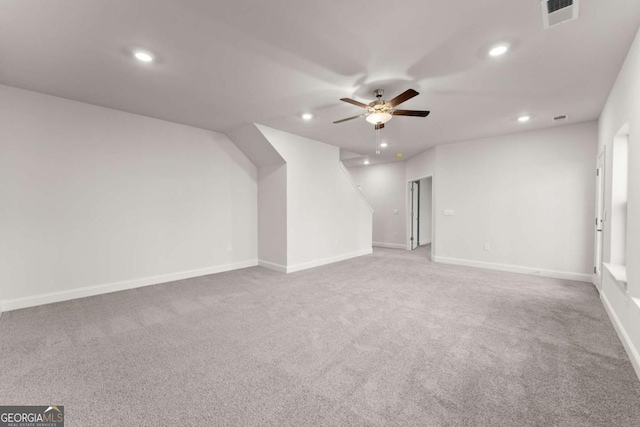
[(223, 65)]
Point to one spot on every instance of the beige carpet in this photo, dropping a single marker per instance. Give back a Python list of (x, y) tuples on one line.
[(389, 339)]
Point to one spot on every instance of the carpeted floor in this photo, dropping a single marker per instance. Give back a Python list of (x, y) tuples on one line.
[(389, 339)]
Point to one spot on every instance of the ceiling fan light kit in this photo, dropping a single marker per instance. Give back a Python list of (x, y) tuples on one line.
[(379, 118), (380, 111)]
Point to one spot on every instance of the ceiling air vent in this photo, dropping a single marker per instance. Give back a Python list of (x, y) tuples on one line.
[(555, 12), (561, 118)]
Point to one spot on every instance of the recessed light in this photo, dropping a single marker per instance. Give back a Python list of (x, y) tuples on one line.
[(524, 119), (143, 56), (307, 116), (366, 162), (384, 145), (499, 50)]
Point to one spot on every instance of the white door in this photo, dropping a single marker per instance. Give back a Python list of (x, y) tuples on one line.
[(599, 221)]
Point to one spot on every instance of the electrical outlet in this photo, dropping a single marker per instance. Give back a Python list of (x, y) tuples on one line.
[(487, 247), (449, 212), (229, 248)]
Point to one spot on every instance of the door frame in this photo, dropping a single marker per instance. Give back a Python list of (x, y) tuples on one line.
[(413, 198), (433, 210), (600, 217)]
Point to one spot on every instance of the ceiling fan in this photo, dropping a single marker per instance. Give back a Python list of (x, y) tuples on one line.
[(380, 111)]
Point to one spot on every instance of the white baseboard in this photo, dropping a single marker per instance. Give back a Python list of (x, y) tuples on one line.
[(596, 282), (515, 269), (48, 298), (325, 261), (632, 351), (390, 245), (272, 266), (425, 243)]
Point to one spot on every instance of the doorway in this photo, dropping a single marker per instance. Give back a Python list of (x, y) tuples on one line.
[(600, 218), (415, 215), (420, 219)]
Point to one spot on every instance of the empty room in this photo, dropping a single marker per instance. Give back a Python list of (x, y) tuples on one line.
[(296, 213)]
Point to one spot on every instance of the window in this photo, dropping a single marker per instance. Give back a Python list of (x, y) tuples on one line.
[(619, 197)]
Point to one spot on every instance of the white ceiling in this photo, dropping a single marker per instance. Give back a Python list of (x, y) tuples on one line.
[(222, 64)]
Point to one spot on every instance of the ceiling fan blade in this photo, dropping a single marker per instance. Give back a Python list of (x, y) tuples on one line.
[(354, 102), (350, 118), (414, 113), (404, 96), (379, 126)]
